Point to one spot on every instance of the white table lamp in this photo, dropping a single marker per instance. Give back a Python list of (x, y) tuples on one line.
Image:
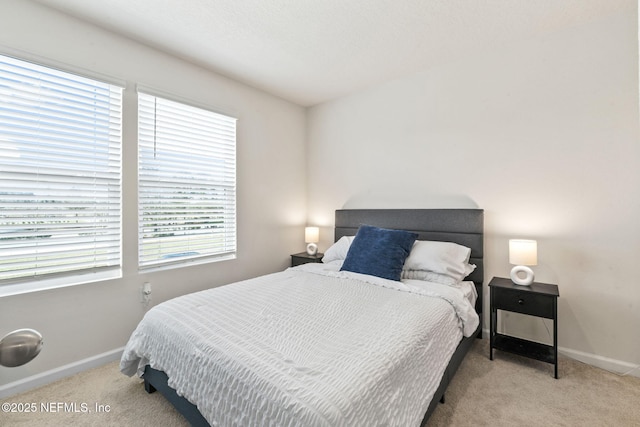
[(312, 237), (522, 253)]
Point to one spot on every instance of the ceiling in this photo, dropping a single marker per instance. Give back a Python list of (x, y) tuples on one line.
[(311, 51)]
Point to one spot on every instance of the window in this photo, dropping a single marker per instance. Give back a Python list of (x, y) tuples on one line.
[(186, 182), (60, 138)]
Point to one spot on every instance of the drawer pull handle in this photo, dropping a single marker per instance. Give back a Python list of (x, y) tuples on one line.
[(520, 301)]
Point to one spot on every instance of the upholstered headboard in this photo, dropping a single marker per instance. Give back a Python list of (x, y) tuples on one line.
[(462, 226)]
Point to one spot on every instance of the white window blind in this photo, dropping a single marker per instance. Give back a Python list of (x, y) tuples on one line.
[(60, 137), (187, 182)]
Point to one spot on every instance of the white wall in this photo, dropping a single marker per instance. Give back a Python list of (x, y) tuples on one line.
[(543, 135), (83, 321)]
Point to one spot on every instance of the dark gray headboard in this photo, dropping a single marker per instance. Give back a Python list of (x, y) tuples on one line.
[(462, 226)]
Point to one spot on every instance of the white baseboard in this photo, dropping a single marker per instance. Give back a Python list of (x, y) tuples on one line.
[(56, 374), (612, 365)]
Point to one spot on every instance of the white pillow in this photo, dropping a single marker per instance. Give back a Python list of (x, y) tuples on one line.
[(338, 251), (440, 262)]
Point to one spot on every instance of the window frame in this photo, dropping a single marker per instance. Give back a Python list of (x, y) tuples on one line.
[(187, 259), (42, 67)]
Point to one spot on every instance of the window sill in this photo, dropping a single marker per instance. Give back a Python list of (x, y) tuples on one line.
[(58, 282)]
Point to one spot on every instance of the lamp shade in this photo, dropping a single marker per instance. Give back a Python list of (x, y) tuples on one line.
[(19, 347), (311, 234), (523, 252)]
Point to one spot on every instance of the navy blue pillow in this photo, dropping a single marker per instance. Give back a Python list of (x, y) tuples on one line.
[(379, 252)]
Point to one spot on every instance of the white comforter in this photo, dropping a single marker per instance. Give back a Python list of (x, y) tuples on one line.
[(309, 346)]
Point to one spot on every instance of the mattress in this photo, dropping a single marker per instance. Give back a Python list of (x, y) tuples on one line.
[(309, 346)]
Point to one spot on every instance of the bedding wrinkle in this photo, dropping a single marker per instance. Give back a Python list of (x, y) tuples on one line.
[(256, 352)]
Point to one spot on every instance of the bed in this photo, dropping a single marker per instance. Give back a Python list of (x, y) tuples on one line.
[(317, 352)]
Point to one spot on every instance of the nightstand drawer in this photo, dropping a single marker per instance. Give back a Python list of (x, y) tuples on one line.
[(524, 302)]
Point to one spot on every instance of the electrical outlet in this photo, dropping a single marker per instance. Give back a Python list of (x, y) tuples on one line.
[(145, 293)]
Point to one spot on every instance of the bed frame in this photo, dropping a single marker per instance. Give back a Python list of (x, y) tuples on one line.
[(462, 226)]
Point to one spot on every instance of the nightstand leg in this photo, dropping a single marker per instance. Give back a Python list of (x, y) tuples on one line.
[(555, 335), (492, 331)]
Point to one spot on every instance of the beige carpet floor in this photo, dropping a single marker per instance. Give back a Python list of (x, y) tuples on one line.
[(508, 391)]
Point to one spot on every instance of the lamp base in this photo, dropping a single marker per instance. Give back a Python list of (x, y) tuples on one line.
[(524, 281), (312, 249)]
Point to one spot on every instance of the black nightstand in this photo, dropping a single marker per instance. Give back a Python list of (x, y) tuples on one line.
[(304, 258), (537, 299)]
